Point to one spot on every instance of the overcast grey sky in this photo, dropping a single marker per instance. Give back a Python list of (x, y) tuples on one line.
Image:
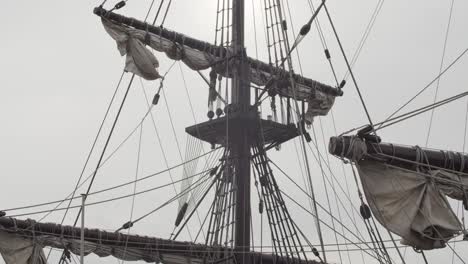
[(59, 69)]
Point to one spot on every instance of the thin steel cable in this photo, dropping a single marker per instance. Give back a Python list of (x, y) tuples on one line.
[(134, 191), (353, 220), (345, 178), (167, 11), (361, 98), (326, 190), (365, 35), (327, 225), (106, 144), (301, 132), (422, 110), (101, 201), (327, 155), (149, 10), (194, 185), (411, 113), (321, 207), (429, 84), (440, 70), (102, 164), (111, 188), (94, 144)]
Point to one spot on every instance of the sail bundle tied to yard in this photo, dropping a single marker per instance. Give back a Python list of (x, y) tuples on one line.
[(22, 242), (132, 35), (410, 200)]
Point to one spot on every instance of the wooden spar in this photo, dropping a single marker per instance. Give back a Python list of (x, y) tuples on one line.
[(209, 48), (29, 228), (403, 156), (241, 141)]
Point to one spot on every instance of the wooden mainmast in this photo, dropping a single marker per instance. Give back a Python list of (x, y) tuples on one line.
[(240, 142)]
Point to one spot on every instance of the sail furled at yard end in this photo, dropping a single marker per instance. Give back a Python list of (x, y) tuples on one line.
[(409, 201), (18, 250), (139, 59), (199, 55), (319, 104), (410, 204)]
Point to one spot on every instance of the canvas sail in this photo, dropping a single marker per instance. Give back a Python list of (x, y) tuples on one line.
[(411, 203), (18, 250), (23, 240), (320, 97)]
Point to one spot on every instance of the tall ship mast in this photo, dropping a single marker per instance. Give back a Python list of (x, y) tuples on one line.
[(405, 194)]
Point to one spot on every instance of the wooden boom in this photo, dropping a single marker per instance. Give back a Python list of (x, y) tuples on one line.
[(405, 156)]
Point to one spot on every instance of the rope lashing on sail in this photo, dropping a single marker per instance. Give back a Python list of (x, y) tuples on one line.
[(394, 191)]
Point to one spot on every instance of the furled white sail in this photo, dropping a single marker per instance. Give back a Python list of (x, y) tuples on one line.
[(22, 242), (139, 59), (411, 204), (130, 41)]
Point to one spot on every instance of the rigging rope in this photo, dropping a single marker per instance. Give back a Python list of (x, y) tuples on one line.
[(301, 132), (93, 145), (348, 66), (366, 34), (134, 190), (194, 185), (102, 201), (113, 187), (413, 113), (420, 111), (429, 84), (440, 70), (322, 207), (326, 189)]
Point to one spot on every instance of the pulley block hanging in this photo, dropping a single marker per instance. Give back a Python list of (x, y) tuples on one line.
[(127, 225), (316, 253), (365, 211), (284, 25), (181, 214), (155, 99), (219, 112), (120, 5), (342, 84), (305, 29), (210, 114), (213, 171)]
